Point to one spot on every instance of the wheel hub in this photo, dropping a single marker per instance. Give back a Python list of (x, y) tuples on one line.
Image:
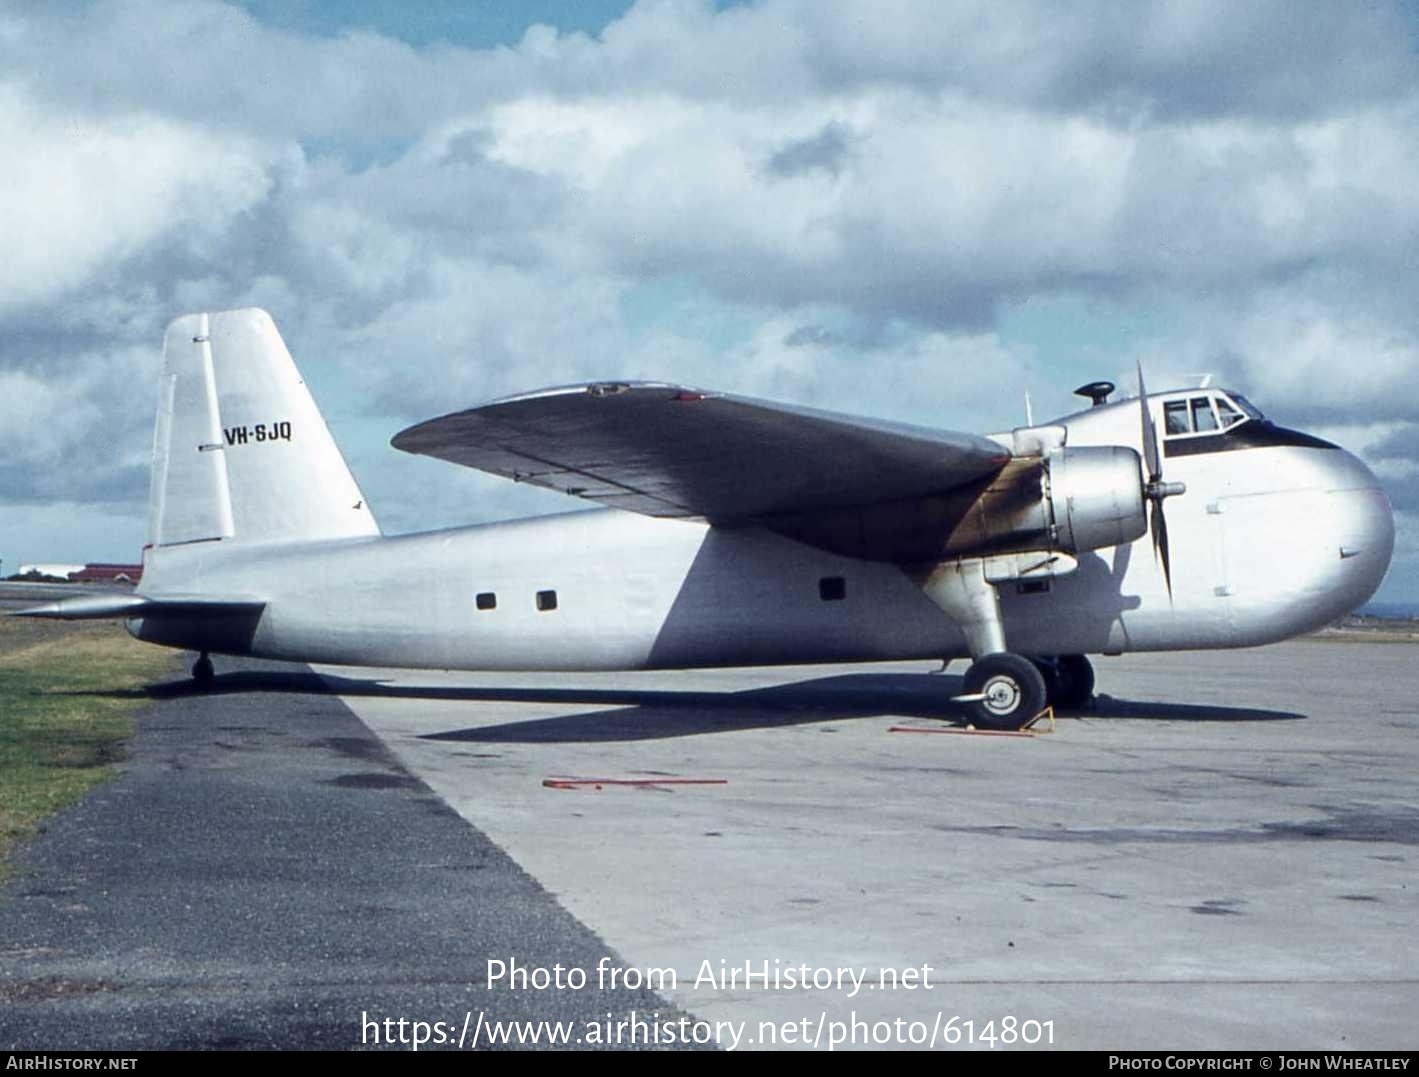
[(1002, 695)]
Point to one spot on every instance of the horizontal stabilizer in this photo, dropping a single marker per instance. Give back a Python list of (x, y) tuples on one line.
[(94, 607)]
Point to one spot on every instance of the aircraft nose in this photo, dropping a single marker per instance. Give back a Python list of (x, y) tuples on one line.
[(1364, 529)]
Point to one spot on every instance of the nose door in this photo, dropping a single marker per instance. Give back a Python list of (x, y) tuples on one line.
[(1291, 561)]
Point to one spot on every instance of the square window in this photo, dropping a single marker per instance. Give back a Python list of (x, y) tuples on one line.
[(1033, 587), (832, 588), (1202, 417), (486, 600), (546, 600), (1175, 420)]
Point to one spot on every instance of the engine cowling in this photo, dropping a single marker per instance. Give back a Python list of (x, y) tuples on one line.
[(1095, 497), (1067, 499)]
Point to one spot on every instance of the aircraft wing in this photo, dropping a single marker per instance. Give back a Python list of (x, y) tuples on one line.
[(671, 451)]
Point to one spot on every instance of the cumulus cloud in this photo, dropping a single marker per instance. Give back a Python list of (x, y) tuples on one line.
[(940, 209), (851, 193), (83, 193), (78, 430), (827, 150), (210, 63), (1164, 59), (480, 331), (1341, 362)]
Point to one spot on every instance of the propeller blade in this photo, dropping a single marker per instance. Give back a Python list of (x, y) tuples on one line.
[(1150, 434), (1155, 489), (1158, 525)]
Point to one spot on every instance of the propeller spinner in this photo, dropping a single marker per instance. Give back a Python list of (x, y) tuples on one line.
[(1155, 489)]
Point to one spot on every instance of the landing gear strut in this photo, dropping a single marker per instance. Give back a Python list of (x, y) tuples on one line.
[(202, 671), (1002, 690)]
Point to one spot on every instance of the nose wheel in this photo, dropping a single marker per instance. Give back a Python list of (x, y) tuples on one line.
[(1003, 691), (202, 671)]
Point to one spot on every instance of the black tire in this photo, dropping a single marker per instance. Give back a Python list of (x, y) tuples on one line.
[(1069, 680), (1014, 691), (1049, 670), (1076, 675), (203, 672)]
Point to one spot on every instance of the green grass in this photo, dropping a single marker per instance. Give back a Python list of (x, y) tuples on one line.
[(67, 699)]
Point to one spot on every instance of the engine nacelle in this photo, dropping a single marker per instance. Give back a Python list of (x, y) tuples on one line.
[(1046, 498), (1095, 496)]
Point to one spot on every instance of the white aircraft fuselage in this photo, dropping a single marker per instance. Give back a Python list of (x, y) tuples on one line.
[(742, 532), (1268, 541)]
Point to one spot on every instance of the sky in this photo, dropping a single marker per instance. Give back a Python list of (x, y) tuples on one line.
[(897, 208)]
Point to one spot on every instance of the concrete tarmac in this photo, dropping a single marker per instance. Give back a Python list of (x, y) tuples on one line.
[(1221, 855)]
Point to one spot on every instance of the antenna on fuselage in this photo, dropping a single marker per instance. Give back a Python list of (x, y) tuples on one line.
[(1029, 411), (1097, 391)]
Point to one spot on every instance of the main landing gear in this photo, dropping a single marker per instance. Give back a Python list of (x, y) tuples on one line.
[(1002, 690), (1069, 680), (1005, 691), (203, 672)]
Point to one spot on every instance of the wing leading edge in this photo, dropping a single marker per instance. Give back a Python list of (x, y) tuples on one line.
[(672, 451)]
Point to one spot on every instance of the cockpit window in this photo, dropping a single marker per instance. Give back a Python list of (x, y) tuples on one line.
[(1202, 417), (1246, 405), (1205, 413), (1175, 420), (1229, 415), (1189, 416)]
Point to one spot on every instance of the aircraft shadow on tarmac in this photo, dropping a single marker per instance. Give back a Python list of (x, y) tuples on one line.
[(659, 714)]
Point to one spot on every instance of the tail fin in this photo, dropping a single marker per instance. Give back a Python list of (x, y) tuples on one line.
[(240, 451)]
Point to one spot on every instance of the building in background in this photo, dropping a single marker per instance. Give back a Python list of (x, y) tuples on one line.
[(98, 572)]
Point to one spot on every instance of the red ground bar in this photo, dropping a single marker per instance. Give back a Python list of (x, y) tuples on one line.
[(597, 783), (962, 732)]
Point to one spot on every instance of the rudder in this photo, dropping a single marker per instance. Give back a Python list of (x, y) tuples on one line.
[(240, 451)]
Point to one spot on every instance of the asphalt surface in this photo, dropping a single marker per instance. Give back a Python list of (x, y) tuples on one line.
[(1220, 855), (265, 874)]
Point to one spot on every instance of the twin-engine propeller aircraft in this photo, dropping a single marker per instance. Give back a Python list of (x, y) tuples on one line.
[(741, 532)]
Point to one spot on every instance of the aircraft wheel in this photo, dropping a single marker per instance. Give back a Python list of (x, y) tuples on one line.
[(203, 671), (1069, 679), (1076, 677), (1012, 691)]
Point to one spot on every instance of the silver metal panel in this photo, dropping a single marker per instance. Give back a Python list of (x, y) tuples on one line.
[(288, 478), (640, 593), (194, 504)]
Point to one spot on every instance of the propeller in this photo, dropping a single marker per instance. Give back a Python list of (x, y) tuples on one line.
[(1155, 489)]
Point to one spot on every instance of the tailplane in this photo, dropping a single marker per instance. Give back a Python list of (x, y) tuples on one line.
[(240, 451)]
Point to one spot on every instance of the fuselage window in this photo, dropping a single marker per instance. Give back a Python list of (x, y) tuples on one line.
[(546, 600), (486, 600), (832, 588)]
